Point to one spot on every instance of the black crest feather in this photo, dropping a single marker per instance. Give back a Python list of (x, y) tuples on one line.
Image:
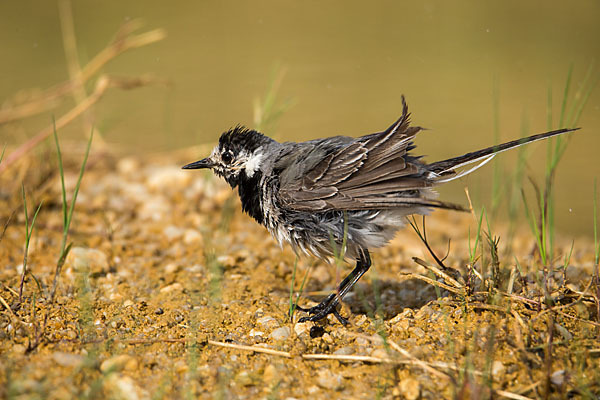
[(240, 137)]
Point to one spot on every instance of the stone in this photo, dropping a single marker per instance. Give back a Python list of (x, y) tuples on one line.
[(254, 332), (267, 322), (122, 387), (270, 373), (244, 379), (172, 232), (558, 377), (68, 359), (498, 368), (192, 236), (329, 380), (119, 363), (167, 178), (82, 259), (281, 333), (380, 353), (344, 351), (301, 328), (175, 287), (410, 388)]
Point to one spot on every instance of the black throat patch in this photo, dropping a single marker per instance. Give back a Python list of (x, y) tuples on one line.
[(250, 193)]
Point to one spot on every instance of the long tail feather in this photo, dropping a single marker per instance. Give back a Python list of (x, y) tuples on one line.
[(447, 167)]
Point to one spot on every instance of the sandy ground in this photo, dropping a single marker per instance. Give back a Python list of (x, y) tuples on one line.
[(169, 291)]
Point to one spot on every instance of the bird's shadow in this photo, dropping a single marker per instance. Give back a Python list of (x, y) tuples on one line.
[(388, 298)]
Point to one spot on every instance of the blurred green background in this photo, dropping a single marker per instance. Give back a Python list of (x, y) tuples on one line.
[(346, 64)]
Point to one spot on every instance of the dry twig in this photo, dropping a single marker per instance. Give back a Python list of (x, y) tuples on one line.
[(104, 82)]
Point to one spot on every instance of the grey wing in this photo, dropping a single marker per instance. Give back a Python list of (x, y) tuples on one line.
[(370, 172)]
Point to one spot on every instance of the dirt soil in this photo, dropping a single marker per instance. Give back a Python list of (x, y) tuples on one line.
[(170, 291)]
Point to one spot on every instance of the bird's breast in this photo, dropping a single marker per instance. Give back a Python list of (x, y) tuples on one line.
[(250, 192)]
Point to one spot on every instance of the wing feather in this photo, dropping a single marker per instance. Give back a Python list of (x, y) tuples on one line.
[(369, 172)]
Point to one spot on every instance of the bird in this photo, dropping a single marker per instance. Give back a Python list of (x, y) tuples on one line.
[(340, 195)]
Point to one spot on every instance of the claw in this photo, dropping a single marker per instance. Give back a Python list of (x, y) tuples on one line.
[(321, 310)]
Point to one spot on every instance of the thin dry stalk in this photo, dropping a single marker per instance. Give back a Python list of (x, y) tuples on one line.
[(7, 223), (438, 272), (422, 364), (510, 395), (425, 366), (124, 41), (104, 82), (340, 357), (434, 283), (13, 317), (72, 56), (256, 349)]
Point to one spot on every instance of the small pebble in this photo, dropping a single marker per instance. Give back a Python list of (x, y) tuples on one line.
[(380, 353), (159, 311), (119, 363), (192, 236), (410, 388), (122, 387), (498, 368), (327, 338), (563, 332), (301, 328), (267, 322), (344, 351), (81, 259), (68, 359), (167, 178), (172, 232), (329, 380), (254, 332), (175, 287), (270, 373), (171, 268), (558, 377), (360, 320), (417, 332), (244, 379), (280, 333)]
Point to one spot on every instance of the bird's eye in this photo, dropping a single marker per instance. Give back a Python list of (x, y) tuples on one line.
[(227, 157)]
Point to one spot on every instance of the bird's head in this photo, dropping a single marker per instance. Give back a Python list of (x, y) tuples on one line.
[(238, 155)]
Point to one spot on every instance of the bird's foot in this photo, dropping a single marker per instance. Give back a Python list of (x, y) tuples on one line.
[(322, 310)]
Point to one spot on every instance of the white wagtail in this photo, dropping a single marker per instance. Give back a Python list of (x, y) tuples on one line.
[(323, 193)]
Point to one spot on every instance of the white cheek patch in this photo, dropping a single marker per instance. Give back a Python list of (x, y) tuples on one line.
[(253, 163)]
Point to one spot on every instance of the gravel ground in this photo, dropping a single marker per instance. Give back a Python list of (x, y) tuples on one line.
[(169, 291)]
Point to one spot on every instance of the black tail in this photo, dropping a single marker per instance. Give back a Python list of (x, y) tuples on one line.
[(446, 167)]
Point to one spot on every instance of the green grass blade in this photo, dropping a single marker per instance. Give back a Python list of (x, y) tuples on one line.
[(301, 289), (292, 305), (596, 243), (568, 256), (478, 235), (585, 84), (497, 191), (533, 226), (35, 217), (583, 102), (563, 108), (25, 209), (62, 179), (2, 154), (79, 178), (549, 109), (28, 233)]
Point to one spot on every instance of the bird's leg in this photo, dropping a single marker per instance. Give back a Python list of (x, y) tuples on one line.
[(328, 306)]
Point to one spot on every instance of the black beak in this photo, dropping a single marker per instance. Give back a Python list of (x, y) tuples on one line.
[(205, 163)]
